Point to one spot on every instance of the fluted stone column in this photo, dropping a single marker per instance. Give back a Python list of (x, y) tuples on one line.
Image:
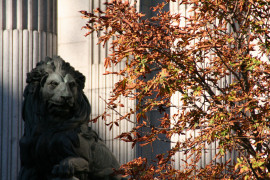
[(27, 35)]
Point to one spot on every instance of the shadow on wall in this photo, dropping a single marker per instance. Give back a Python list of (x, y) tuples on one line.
[(11, 128), (18, 53), (27, 33)]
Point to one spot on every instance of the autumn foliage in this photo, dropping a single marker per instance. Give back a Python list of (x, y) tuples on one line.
[(216, 56)]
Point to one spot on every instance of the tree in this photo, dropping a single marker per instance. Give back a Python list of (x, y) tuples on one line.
[(217, 62)]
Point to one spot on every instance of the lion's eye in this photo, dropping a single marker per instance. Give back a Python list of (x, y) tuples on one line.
[(54, 84)]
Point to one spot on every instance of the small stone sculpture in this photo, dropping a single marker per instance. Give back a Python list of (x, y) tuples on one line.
[(57, 142)]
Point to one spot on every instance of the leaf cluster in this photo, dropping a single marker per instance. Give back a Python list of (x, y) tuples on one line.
[(215, 57)]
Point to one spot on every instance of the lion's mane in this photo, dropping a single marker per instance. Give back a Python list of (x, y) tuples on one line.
[(33, 106)]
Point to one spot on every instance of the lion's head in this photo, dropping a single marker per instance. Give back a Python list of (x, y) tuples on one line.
[(54, 94)]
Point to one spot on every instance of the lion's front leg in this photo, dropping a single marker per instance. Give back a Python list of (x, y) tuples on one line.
[(70, 166)]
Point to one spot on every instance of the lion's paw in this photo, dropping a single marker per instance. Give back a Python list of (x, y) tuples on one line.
[(70, 166), (63, 169), (71, 178)]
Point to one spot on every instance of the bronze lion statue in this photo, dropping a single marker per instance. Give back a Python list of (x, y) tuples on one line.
[(57, 141)]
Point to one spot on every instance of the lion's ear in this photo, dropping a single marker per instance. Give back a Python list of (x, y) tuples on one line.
[(47, 59)]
